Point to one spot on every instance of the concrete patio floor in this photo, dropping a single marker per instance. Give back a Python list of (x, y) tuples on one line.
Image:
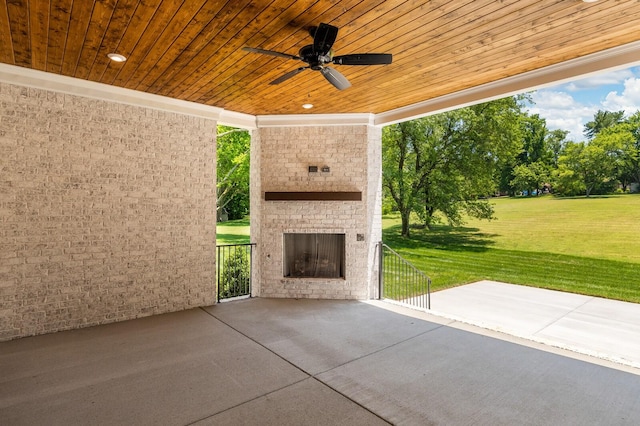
[(295, 362), (607, 329)]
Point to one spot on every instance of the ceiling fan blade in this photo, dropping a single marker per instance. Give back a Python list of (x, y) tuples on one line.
[(363, 59), (270, 52), (288, 75), (324, 37), (335, 78)]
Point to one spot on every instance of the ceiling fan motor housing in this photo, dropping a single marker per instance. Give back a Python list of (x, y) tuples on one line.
[(316, 61)]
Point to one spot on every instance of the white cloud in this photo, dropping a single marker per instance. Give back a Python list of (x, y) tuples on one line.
[(628, 100), (614, 77), (561, 111), (570, 106)]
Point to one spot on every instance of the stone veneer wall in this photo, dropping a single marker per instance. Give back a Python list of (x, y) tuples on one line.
[(107, 211), (281, 156)]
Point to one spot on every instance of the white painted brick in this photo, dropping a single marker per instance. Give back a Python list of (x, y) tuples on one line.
[(108, 211)]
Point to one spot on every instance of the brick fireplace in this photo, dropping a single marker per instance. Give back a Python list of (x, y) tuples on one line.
[(316, 179)]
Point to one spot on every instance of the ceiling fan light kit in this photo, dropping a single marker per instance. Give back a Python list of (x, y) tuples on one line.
[(319, 55)]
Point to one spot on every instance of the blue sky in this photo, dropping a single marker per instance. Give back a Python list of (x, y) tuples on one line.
[(569, 106)]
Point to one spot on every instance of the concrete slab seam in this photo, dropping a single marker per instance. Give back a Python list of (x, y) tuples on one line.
[(246, 402), (563, 316)]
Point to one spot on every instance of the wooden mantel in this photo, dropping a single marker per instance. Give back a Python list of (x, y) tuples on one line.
[(313, 196)]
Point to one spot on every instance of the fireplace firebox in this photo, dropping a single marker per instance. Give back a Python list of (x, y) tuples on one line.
[(309, 255)]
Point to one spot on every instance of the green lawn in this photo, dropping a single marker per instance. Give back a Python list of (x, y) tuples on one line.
[(233, 232), (588, 246)]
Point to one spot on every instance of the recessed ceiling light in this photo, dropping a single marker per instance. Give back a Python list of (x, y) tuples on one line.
[(116, 57), (589, 1), (307, 106)]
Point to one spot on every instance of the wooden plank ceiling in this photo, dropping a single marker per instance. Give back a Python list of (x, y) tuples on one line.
[(191, 49)]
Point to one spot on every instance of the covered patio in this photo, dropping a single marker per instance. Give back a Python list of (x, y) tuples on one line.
[(108, 189), (295, 362), (108, 200)]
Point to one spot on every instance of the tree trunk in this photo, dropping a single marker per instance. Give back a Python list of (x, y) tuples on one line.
[(429, 210), (404, 215)]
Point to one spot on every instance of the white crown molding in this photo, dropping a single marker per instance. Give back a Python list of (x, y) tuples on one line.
[(58, 83), (238, 119), (607, 60), (306, 120)]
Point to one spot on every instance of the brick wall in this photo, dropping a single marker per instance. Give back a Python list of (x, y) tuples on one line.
[(107, 211), (352, 152)]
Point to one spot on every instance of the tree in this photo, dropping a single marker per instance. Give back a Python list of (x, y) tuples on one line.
[(233, 146), (555, 144), (399, 167), (602, 120), (446, 163), (620, 144), (630, 161), (534, 140), (539, 146), (530, 177), (568, 181), (588, 165)]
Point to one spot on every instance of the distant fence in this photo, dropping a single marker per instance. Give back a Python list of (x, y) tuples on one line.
[(400, 281), (234, 270)]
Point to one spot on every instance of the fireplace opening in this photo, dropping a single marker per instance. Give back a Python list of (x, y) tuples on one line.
[(314, 255)]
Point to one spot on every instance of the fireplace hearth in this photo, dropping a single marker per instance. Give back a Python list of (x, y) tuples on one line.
[(314, 255)]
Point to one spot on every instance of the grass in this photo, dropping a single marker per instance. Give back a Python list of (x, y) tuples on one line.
[(579, 245), (586, 246), (233, 232), (596, 227)]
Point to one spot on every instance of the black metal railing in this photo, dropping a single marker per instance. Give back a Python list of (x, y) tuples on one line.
[(234, 270), (400, 281)]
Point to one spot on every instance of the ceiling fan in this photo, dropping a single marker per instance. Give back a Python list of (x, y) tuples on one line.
[(319, 54)]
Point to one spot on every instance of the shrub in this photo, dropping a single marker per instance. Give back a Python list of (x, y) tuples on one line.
[(236, 274)]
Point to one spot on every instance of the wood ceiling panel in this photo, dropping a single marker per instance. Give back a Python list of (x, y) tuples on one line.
[(80, 23), (19, 18), (226, 43), (191, 49), (59, 17), (199, 50), (182, 44), (134, 28), (38, 28), (499, 57), (6, 41), (165, 15), (172, 31), (119, 23)]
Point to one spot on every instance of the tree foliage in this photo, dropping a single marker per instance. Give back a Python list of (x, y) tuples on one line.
[(233, 146), (588, 166), (609, 158), (446, 163), (531, 169), (531, 177), (602, 120)]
